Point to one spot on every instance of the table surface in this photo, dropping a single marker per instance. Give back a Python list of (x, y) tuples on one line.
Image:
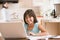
[(27, 39), (51, 38), (33, 37)]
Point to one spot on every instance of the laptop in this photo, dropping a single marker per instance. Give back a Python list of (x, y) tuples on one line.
[(13, 30), (16, 30)]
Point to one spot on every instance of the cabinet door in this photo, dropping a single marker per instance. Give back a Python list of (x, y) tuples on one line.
[(52, 28)]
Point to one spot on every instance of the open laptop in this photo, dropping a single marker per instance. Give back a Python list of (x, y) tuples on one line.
[(13, 30)]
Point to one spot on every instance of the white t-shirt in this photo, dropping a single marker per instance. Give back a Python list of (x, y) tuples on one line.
[(4, 13)]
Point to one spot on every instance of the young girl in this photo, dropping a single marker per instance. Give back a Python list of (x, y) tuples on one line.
[(31, 24)]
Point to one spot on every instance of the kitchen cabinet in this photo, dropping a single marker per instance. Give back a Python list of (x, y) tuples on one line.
[(53, 26)]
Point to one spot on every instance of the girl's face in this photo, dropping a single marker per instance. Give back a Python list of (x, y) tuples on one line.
[(29, 20)]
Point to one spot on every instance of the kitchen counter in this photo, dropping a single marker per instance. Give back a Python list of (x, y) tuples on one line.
[(51, 19), (18, 21)]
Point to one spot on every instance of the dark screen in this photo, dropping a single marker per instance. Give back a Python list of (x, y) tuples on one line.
[(13, 1)]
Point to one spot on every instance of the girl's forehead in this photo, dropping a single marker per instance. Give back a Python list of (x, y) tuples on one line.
[(27, 16)]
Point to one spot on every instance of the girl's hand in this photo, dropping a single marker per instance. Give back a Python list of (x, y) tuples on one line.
[(42, 34), (31, 21), (31, 33)]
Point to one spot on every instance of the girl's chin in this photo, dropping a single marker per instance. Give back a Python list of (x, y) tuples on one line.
[(30, 23)]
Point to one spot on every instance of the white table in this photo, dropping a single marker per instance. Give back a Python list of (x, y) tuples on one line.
[(55, 38), (40, 37)]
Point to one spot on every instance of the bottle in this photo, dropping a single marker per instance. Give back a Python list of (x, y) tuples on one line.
[(54, 13)]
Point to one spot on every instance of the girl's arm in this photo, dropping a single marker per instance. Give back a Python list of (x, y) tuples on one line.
[(43, 31)]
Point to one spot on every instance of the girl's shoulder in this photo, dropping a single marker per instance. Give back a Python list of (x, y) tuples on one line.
[(36, 23), (25, 25)]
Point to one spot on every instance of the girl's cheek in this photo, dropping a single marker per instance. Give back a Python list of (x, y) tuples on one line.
[(27, 21), (32, 19)]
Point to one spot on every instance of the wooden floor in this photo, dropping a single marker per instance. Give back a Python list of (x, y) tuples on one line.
[(55, 39), (27, 39), (19, 39), (15, 39)]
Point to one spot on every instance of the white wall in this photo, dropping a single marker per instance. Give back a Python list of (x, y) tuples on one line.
[(18, 9)]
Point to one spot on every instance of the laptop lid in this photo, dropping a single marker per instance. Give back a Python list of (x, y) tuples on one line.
[(13, 30)]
